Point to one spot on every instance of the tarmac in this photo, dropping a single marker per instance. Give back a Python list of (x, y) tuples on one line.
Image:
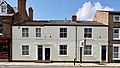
[(59, 64)]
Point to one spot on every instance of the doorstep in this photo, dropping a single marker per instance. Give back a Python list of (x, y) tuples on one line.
[(43, 61)]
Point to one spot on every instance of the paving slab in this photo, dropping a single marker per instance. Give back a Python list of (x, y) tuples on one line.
[(58, 64)]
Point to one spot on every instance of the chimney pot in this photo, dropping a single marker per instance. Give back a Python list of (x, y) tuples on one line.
[(74, 18), (22, 9), (31, 13)]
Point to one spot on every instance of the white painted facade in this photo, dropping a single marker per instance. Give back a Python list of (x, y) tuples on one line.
[(99, 38), (50, 39)]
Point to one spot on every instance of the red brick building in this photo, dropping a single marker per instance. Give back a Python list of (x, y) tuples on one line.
[(8, 17)]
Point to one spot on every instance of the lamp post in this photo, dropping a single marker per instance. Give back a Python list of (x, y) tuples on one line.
[(82, 44)]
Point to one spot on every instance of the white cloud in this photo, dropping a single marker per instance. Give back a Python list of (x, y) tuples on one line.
[(88, 10)]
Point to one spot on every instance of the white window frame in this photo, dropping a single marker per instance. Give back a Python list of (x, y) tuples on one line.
[(59, 50), (91, 51), (113, 34), (25, 50), (116, 16), (116, 45), (63, 32), (84, 33), (38, 32), (25, 33), (5, 8)]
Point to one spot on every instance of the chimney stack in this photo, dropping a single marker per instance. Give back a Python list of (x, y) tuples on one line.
[(22, 9), (74, 18), (31, 13)]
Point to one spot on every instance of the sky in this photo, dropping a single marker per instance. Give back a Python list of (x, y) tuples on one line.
[(61, 9)]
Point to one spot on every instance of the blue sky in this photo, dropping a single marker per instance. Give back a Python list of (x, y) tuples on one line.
[(61, 9)]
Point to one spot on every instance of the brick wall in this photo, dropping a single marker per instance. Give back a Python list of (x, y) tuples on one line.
[(101, 17)]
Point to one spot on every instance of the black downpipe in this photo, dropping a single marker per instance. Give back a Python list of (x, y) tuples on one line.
[(75, 45)]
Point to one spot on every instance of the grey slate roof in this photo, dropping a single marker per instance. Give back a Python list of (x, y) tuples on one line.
[(69, 22), (62, 23)]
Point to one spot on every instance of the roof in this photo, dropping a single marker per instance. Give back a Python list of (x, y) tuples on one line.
[(30, 23), (11, 10), (78, 23), (6, 14), (61, 23), (109, 11)]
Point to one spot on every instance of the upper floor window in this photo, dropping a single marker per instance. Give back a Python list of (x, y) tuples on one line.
[(116, 33), (25, 32), (38, 32), (3, 9), (63, 32), (0, 29), (88, 33), (116, 18), (25, 50)]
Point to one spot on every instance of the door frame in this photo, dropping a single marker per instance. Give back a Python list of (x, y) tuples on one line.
[(49, 53), (37, 52), (106, 53), (43, 52)]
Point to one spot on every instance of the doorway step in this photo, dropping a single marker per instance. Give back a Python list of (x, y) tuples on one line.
[(43, 61)]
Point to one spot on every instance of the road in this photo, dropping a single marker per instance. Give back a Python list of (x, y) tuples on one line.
[(50, 67)]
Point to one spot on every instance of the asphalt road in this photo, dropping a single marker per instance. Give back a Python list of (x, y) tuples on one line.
[(50, 67)]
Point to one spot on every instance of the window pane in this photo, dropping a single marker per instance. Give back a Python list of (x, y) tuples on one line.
[(27, 47), (65, 29), (23, 48), (117, 18), (116, 30), (116, 49), (61, 30), (65, 35), (23, 52), (27, 52), (116, 55), (115, 35)]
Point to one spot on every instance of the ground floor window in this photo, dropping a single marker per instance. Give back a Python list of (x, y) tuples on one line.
[(116, 51), (63, 49), (88, 50), (25, 50), (3, 50)]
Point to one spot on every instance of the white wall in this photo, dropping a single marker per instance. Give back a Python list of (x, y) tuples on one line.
[(95, 41), (55, 41), (47, 31)]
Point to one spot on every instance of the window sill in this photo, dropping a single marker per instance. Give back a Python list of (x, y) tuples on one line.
[(116, 58), (25, 55), (63, 55), (63, 38), (115, 39), (87, 55), (37, 38), (1, 34), (116, 21)]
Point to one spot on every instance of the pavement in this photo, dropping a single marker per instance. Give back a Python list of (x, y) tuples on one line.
[(59, 64)]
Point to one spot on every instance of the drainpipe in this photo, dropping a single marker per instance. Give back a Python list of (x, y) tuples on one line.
[(75, 45)]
